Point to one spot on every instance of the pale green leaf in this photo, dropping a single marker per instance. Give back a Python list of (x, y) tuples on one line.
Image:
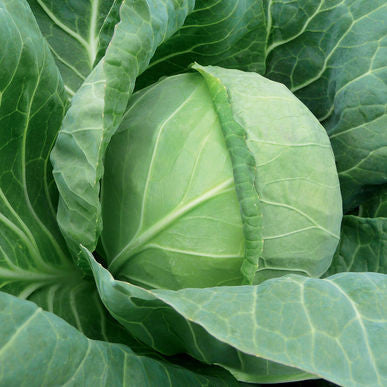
[(334, 328)]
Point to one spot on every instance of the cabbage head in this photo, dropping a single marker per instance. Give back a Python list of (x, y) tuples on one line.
[(218, 177)]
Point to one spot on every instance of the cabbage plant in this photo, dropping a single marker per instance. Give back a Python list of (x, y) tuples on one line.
[(193, 192)]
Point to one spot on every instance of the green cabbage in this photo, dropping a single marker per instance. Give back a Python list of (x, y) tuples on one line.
[(218, 178)]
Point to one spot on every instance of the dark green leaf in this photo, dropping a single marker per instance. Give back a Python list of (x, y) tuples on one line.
[(76, 32), (34, 261), (332, 55), (227, 33), (363, 246), (375, 204)]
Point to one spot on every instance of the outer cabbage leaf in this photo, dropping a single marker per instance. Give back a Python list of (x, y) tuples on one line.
[(334, 328), (97, 110), (34, 261), (67, 357), (363, 242), (363, 246), (332, 55), (76, 32), (174, 335), (32, 106), (227, 33), (376, 203)]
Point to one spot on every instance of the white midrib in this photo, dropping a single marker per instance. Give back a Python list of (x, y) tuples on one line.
[(91, 45), (139, 240), (30, 276), (93, 41)]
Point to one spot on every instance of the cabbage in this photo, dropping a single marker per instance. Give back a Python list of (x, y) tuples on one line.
[(218, 178)]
